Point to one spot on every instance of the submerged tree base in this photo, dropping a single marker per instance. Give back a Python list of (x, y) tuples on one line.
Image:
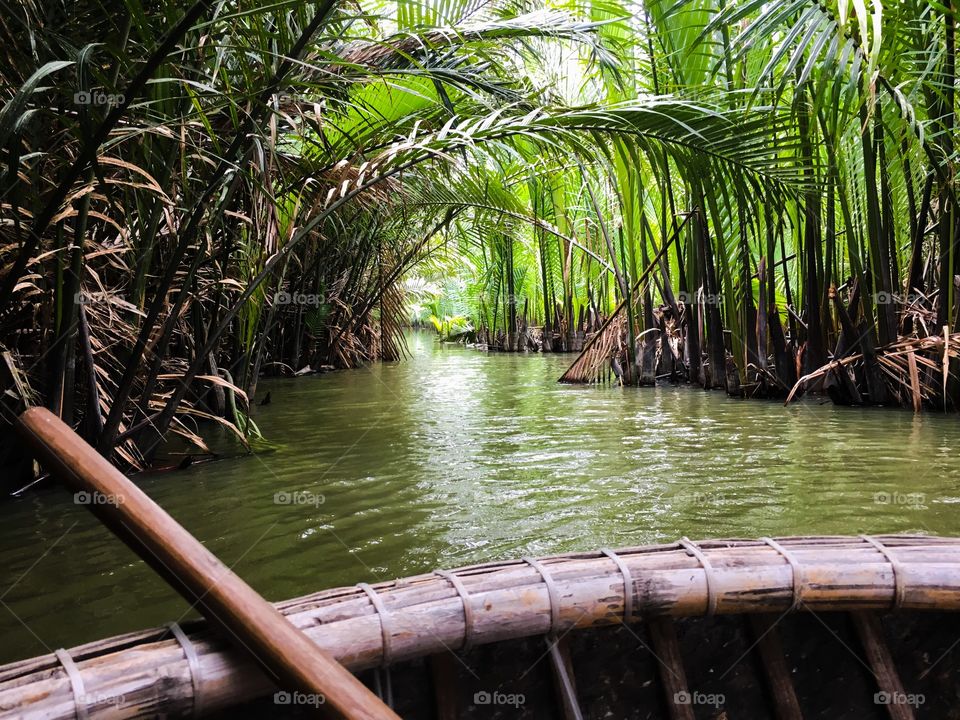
[(915, 371)]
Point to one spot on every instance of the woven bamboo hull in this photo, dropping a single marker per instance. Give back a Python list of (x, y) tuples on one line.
[(871, 616), (618, 677)]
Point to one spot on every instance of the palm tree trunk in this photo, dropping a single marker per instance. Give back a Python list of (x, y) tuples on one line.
[(948, 215)]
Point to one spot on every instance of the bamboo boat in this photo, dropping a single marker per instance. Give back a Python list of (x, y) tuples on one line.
[(804, 627)]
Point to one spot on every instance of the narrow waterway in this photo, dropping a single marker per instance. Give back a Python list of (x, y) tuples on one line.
[(454, 457)]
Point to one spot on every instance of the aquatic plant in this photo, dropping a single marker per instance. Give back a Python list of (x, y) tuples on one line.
[(203, 191)]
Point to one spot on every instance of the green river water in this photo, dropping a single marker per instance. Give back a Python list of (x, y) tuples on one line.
[(454, 457)]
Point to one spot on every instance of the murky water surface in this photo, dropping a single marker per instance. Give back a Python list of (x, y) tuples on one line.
[(456, 457)]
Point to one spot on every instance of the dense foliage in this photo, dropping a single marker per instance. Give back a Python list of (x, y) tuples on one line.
[(194, 194)]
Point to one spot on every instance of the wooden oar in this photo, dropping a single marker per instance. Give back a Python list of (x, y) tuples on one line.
[(255, 625)]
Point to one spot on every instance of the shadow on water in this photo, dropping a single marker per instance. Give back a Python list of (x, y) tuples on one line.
[(454, 457)]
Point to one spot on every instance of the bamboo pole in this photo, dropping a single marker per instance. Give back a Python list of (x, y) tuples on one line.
[(673, 677), (251, 622), (892, 693), (774, 666), (508, 600)]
